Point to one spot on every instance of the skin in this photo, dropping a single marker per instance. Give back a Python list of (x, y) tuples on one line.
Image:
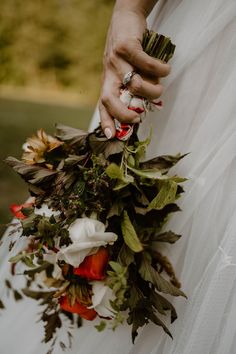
[(124, 53)]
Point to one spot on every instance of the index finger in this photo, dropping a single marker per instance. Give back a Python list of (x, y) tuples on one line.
[(144, 62)]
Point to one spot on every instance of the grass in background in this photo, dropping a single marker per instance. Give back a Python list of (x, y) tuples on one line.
[(18, 120), (54, 46)]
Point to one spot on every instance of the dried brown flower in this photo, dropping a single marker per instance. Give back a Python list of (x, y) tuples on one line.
[(36, 147)]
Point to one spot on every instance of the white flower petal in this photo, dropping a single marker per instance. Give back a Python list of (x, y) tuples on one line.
[(137, 104), (87, 235), (46, 211), (102, 295), (83, 228), (74, 254)]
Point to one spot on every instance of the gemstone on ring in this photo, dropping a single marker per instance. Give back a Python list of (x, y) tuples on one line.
[(127, 77)]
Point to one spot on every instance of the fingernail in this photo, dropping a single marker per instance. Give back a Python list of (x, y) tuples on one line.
[(108, 133)]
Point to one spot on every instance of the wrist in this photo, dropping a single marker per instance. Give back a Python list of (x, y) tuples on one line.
[(140, 8)]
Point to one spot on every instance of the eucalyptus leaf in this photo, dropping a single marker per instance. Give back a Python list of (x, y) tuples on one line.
[(129, 234)]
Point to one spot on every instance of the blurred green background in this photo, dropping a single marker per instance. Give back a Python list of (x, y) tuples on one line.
[(50, 71)]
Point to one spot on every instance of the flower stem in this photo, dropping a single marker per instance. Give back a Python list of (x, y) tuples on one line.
[(158, 46)]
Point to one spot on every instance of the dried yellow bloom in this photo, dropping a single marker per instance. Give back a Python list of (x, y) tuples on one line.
[(36, 147)]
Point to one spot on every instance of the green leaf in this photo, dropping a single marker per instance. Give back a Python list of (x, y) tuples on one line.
[(129, 234), (114, 171), (168, 236), (116, 267), (137, 319), (17, 258), (28, 262), (162, 163), (151, 174), (36, 270), (37, 295), (101, 326), (153, 317), (148, 273), (135, 297), (125, 256), (52, 322), (162, 305), (166, 195), (119, 185), (140, 148)]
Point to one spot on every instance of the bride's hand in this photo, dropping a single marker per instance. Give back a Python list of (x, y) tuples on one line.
[(124, 53)]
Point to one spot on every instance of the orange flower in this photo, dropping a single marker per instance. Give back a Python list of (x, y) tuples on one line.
[(16, 210), (84, 312), (36, 147), (94, 266)]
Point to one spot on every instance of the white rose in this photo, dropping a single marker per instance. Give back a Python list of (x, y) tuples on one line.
[(87, 235), (102, 295)]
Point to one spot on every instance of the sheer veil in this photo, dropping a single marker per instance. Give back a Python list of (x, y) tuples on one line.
[(199, 118)]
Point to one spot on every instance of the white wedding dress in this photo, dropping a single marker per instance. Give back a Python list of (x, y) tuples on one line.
[(199, 117)]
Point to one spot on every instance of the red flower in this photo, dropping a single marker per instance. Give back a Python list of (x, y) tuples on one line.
[(94, 266), (16, 210), (84, 312), (123, 130)]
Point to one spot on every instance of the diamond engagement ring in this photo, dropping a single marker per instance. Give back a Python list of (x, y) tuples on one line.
[(127, 77)]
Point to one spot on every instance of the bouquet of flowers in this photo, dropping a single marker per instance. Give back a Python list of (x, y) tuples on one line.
[(94, 223)]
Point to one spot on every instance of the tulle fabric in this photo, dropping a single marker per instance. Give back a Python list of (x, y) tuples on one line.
[(199, 117)]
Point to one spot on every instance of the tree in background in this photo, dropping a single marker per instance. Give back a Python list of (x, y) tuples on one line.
[(54, 44)]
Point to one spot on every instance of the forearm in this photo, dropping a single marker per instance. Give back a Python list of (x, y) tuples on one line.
[(138, 6)]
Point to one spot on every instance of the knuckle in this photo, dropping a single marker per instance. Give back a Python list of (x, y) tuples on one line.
[(105, 99), (166, 70), (120, 47), (112, 59), (135, 85), (151, 67)]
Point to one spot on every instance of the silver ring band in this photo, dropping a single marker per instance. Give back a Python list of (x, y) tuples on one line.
[(127, 77)]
